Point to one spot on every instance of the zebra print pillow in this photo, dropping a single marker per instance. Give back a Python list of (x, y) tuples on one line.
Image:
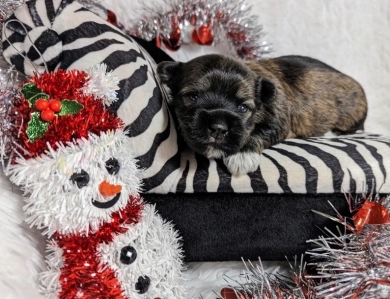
[(69, 36), (303, 166)]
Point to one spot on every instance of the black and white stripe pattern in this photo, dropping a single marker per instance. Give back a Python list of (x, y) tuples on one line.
[(27, 31), (305, 166), (69, 36), (80, 39)]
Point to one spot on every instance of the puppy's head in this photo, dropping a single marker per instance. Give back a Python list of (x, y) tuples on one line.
[(216, 102)]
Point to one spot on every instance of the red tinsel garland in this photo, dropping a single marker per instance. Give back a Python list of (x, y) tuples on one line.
[(204, 22), (83, 275)]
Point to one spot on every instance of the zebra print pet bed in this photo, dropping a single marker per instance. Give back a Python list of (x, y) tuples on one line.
[(221, 217)]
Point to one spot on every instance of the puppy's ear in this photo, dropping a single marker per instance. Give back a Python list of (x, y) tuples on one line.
[(167, 69), (265, 90)]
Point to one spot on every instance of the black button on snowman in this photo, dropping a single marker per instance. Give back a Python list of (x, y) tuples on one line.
[(128, 255)]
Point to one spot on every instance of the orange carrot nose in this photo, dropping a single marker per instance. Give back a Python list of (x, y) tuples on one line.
[(106, 189)]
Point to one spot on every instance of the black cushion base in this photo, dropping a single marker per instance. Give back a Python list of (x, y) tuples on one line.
[(225, 225), (231, 226)]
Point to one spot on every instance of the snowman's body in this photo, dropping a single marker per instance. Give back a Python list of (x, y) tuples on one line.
[(76, 268), (106, 243)]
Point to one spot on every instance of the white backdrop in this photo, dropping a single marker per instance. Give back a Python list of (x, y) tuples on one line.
[(353, 36)]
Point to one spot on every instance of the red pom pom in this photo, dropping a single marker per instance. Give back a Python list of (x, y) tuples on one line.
[(47, 115), (55, 105), (41, 104), (60, 85)]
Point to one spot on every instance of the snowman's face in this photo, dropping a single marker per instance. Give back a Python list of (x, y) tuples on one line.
[(77, 187), (147, 258)]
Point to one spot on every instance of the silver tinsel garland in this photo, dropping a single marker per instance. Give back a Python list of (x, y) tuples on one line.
[(353, 265), (7, 7), (256, 283), (8, 93), (346, 265), (204, 22)]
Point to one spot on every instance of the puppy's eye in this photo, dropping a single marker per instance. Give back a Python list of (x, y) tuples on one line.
[(243, 108), (112, 166), (192, 96), (80, 179)]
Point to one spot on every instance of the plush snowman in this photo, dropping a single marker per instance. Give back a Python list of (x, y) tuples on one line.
[(81, 188)]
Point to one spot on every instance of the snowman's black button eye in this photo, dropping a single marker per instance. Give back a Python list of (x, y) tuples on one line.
[(128, 255), (81, 179), (112, 166)]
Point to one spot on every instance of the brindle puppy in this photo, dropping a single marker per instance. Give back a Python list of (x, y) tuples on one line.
[(234, 109)]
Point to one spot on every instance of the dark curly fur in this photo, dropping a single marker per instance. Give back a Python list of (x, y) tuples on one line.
[(234, 109)]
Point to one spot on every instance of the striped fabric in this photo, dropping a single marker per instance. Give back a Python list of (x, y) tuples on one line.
[(305, 166), (69, 36)]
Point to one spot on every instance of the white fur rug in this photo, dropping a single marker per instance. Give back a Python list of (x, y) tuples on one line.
[(352, 36), (22, 252)]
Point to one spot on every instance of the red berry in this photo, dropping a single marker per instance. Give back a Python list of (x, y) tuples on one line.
[(47, 115), (41, 104), (55, 105)]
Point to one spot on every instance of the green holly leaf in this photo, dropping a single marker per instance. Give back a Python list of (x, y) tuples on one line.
[(36, 127), (69, 107), (30, 89), (32, 93)]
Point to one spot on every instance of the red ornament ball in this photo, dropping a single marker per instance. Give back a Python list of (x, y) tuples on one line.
[(47, 115), (55, 105), (41, 104), (203, 36), (371, 213), (175, 37), (111, 18), (174, 41), (158, 41), (193, 20), (228, 293)]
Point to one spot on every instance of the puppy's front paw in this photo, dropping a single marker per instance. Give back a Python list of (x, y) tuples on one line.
[(242, 163)]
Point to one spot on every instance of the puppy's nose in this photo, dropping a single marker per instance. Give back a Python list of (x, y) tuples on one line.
[(142, 286), (218, 130)]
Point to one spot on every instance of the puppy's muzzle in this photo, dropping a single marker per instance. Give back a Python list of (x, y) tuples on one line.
[(218, 130), (215, 133)]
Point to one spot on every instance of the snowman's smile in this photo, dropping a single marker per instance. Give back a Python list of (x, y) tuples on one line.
[(106, 204)]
